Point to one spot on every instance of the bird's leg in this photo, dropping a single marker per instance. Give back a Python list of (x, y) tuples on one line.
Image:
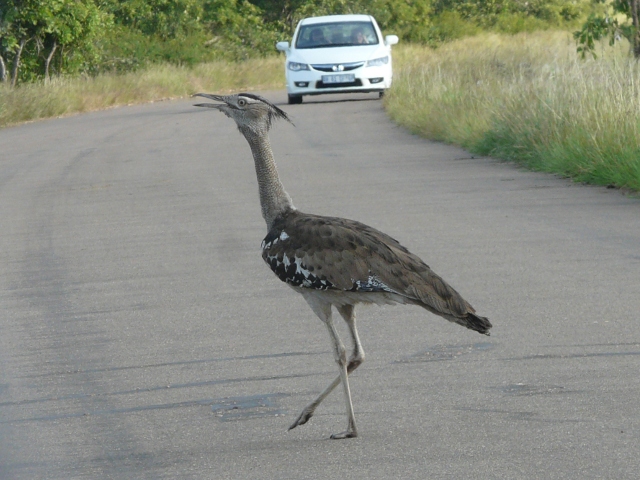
[(357, 357), (341, 359), (348, 312)]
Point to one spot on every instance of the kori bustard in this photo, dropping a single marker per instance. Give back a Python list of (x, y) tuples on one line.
[(334, 261)]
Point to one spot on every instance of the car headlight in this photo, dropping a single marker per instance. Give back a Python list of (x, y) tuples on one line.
[(378, 62), (295, 66)]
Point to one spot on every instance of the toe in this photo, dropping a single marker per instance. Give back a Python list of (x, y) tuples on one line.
[(302, 419)]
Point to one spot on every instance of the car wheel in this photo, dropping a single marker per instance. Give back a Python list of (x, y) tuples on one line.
[(381, 94), (295, 99)]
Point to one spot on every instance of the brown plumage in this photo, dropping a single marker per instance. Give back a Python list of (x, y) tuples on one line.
[(334, 261), (348, 254)]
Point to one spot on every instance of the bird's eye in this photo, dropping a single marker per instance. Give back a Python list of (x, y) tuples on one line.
[(242, 102)]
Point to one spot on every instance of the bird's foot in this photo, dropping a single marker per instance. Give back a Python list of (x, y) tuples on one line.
[(303, 418), (347, 434)]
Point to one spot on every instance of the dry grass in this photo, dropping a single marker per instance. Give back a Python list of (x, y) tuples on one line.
[(66, 96), (526, 98)]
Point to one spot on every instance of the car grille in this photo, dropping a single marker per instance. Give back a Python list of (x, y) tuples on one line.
[(329, 67), (321, 84)]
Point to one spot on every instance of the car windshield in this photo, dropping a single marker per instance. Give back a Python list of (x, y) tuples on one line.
[(337, 34)]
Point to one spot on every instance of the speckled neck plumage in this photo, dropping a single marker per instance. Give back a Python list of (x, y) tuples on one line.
[(274, 200)]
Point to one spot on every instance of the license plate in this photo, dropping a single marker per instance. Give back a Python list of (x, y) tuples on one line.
[(342, 78)]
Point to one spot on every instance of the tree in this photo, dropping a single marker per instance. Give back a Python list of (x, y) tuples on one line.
[(16, 18), (71, 35), (4, 32), (162, 18), (609, 25), (35, 32), (240, 28), (3, 70)]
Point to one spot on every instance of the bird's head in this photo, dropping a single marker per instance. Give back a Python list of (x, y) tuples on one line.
[(251, 112)]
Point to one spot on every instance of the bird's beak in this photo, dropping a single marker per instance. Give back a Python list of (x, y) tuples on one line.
[(218, 98)]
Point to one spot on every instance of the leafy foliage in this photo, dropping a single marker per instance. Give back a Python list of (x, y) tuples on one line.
[(34, 32), (609, 25), (488, 12)]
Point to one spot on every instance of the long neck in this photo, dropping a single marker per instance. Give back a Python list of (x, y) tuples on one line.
[(274, 200)]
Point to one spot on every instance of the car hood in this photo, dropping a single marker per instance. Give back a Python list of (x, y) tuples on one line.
[(338, 54)]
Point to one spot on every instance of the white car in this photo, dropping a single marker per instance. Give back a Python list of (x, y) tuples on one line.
[(336, 54)]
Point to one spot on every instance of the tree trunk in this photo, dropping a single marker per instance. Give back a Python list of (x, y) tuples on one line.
[(3, 70), (16, 62), (635, 13), (48, 61)]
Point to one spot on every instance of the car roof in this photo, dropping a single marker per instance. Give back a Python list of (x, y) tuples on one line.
[(336, 18)]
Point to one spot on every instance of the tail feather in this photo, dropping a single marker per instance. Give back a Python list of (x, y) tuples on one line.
[(478, 323), (467, 319)]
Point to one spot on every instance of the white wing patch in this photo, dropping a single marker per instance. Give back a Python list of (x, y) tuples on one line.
[(292, 271), (265, 245), (372, 284)]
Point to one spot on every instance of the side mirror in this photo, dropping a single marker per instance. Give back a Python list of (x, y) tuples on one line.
[(284, 46), (391, 40)]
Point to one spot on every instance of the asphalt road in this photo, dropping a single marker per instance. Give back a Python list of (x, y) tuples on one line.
[(142, 337)]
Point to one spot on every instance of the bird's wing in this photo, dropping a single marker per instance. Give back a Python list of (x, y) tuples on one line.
[(313, 251)]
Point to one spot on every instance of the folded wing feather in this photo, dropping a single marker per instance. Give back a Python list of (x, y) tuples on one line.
[(350, 255)]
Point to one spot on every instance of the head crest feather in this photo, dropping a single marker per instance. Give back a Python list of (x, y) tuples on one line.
[(275, 112)]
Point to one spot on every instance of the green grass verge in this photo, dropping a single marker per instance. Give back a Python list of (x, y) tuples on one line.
[(526, 98), (64, 96)]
